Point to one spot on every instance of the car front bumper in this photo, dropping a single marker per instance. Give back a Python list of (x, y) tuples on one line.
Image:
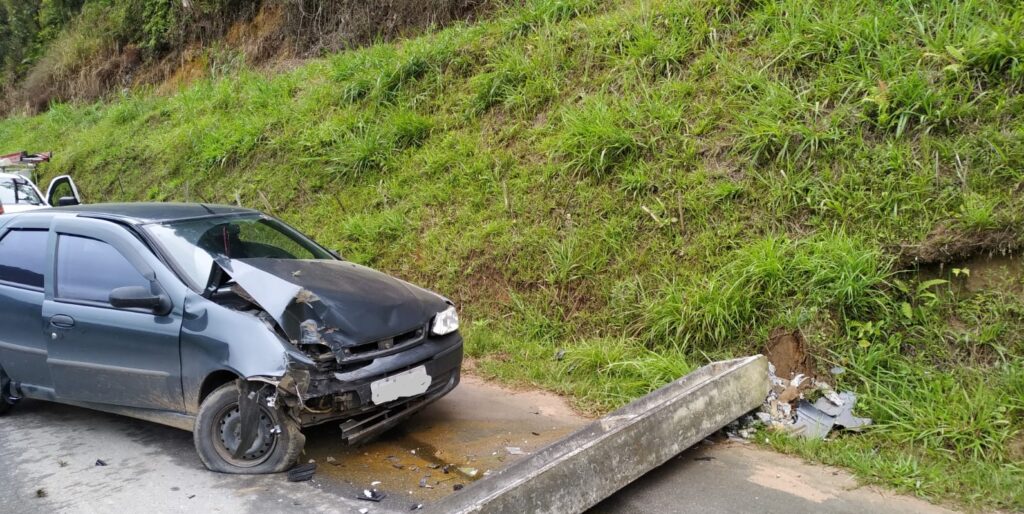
[(350, 394)]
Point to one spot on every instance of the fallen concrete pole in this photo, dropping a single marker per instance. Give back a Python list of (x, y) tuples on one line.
[(577, 472)]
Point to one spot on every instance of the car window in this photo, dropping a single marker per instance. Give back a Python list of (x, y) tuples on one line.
[(194, 244), (263, 240), (23, 257), (18, 192), (88, 269)]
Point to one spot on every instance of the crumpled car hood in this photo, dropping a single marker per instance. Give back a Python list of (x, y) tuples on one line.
[(351, 304)]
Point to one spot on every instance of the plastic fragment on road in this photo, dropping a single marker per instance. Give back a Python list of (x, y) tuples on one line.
[(824, 405), (372, 495), (811, 422), (302, 473), (846, 419)]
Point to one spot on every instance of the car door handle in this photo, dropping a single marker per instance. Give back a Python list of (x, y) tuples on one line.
[(62, 321)]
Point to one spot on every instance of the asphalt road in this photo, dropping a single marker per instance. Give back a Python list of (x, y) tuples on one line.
[(48, 455)]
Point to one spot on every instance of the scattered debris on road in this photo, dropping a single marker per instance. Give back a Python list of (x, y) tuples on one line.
[(787, 407), (40, 493), (100, 462), (302, 473), (372, 495)]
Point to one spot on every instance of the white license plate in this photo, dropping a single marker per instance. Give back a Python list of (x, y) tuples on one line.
[(413, 382)]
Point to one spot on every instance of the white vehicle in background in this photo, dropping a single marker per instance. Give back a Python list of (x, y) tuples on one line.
[(18, 191)]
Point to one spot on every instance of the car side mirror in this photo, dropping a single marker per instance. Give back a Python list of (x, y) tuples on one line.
[(66, 201), (137, 297)]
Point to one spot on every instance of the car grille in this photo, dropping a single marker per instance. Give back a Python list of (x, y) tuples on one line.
[(372, 350)]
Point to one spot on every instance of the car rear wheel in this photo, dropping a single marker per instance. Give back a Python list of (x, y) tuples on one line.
[(218, 433)]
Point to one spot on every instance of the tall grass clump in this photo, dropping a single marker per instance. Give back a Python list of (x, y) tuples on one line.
[(594, 138), (763, 280)]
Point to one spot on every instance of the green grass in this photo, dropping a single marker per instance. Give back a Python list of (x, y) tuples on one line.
[(617, 192)]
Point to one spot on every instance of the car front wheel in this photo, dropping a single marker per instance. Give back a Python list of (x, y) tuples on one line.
[(218, 434), (5, 393)]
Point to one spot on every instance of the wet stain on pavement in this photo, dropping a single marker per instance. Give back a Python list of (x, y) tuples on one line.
[(424, 460)]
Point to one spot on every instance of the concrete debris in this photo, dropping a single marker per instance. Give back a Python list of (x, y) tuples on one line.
[(791, 373), (787, 408), (514, 450)]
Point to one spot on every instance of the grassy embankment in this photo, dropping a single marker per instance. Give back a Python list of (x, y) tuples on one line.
[(650, 185)]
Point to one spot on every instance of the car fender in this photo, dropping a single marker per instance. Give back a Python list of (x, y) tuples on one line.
[(215, 338)]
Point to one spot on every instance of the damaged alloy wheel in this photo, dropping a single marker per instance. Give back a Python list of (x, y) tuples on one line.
[(230, 440)]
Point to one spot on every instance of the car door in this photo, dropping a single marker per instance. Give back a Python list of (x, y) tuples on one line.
[(63, 191), (24, 257), (99, 353)]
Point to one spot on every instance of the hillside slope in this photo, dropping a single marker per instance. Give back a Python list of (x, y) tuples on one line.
[(84, 50), (615, 192)]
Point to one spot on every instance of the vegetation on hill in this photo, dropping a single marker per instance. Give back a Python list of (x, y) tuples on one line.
[(83, 50), (616, 192)]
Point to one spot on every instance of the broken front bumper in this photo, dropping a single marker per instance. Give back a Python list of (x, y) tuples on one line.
[(349, 396)]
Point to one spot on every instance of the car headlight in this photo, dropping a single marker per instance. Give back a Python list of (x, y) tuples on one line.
[(446, 322)]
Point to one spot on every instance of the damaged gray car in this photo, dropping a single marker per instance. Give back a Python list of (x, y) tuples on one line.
[(218, 320)]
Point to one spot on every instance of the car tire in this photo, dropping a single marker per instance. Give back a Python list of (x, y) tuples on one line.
[(276, 448), (5, 383)]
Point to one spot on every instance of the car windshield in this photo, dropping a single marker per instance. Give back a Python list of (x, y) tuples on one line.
[(194, 244), (18, 192)]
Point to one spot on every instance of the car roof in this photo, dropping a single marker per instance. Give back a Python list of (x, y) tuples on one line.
[(151, 212)]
